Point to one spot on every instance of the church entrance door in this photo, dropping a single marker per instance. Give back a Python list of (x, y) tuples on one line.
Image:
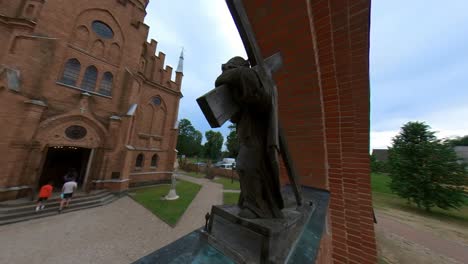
[(59, 160)]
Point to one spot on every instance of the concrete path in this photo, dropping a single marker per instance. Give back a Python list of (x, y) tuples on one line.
[(435, 244), (210, 194), (120, 232)]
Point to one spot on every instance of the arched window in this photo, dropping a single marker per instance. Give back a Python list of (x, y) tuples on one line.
[(105, 87), (156, 101), (102, 29), (154, 161), (89, 79), (139, 161), (71, 72)]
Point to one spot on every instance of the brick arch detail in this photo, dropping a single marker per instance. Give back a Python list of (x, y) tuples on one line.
[(86, 17), (52, 132), (163, 103), (158, 117), (81, 36)]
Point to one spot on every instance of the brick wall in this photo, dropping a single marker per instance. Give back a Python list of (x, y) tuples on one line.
[(323, 91), (38, 38)]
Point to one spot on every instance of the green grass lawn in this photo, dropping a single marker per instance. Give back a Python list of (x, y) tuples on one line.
[(230, 198), (194, 174), (168, 211), (228, 184), (383, 197), (380, 183)]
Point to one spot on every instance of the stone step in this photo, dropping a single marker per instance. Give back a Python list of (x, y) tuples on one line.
[(54, 202), (55, 207), (51, 213), (10, 204)]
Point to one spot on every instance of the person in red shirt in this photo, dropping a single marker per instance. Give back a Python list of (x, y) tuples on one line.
[(44, 194)]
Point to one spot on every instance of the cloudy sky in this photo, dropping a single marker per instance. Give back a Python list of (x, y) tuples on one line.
[(419, 60)]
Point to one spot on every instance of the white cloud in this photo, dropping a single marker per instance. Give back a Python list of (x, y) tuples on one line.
[(447, 123), (224, 27)]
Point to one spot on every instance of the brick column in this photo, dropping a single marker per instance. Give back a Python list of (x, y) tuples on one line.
[(324, 108)]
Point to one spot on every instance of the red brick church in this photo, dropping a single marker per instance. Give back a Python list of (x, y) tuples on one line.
[(81, 88)]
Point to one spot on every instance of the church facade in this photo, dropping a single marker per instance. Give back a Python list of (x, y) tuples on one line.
[(82, 90)]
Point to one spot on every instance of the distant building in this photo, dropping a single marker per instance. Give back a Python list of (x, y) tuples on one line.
[(462, 152), (80, 87), (380, 154)]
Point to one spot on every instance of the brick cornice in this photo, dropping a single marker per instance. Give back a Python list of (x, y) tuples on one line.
[(17, 22), (157, 85)]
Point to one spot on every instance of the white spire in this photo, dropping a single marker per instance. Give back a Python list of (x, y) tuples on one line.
[(180, 67)]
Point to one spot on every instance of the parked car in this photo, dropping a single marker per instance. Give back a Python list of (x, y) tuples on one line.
[(226, 166), (224, 162)]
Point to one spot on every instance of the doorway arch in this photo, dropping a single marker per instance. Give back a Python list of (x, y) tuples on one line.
[(66, 142)]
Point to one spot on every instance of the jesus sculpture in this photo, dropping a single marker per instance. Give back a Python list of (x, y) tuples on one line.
[(257, 130)]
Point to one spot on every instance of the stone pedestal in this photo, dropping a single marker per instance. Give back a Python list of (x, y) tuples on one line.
[(172, 195), (256, 240), (231, 240)]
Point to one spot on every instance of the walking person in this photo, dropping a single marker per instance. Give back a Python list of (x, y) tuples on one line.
[(44, 194), (71, 174), (67, 193)]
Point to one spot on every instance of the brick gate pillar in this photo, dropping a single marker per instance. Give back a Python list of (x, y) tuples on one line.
[(324, 98)]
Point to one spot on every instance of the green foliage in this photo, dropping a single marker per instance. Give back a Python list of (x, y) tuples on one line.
[(213, 145), (383, 198), (168, 211), (232, 143), (381, 183), (189, 139), (228, 184), (424, 170), (230, 198), (458, 141), (225, 154), (377, 165)]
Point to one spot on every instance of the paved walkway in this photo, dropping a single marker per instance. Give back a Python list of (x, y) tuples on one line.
[(120, 232), (448, 248)]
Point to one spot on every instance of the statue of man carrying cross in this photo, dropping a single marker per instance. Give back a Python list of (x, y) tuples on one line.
[(246, 93), (257, 162)]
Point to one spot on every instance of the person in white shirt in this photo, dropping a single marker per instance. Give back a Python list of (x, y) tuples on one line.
[(67, 193)]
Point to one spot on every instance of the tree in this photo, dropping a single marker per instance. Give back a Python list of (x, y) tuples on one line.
[(232, 143), (377, 165), (213, 145), (189, 139), (459, 141), (425, 170)]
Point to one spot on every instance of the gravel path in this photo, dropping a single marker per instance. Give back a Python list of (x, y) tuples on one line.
[(120, 232), (434, 248)]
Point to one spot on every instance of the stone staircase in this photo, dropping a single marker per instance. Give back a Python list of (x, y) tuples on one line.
[(18, 211)]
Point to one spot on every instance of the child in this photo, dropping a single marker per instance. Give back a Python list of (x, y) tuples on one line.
[(67, 192), (44, 194)]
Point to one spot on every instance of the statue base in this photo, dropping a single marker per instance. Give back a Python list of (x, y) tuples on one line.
[(172, 195), (256, 240)]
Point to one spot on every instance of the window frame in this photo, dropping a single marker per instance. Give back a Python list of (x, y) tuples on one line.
[(140, 162), (154, 161), (109, 84), (85, 79), (67, 71), (102, 29)]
